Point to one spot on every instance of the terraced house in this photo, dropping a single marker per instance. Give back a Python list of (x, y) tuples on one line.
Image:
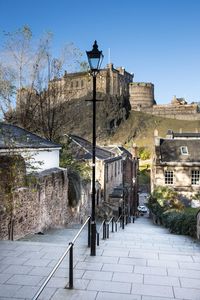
[(176, 163)]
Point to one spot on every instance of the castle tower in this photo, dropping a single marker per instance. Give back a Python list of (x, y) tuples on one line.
[(141, 95)]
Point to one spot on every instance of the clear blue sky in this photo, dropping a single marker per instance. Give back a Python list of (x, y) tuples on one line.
[(157, 40)]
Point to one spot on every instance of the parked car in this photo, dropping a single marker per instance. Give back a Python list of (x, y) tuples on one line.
[(142, 209)]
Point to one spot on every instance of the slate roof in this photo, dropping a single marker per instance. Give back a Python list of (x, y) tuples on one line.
[(16, 137), (118, 150), (170, 150), (87, 147)]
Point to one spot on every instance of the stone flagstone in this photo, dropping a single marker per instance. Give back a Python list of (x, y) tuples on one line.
[(142, 262)]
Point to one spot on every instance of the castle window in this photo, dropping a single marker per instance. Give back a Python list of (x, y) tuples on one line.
[(76, 83), (169, 177), (184, 150), (72, 84), (82, 83), (195, 180)]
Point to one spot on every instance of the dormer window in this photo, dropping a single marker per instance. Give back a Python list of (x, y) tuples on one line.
[(184, 150)]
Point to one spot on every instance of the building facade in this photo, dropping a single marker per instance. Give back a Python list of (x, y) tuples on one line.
[(116, 173), (176, 163), (38, 153)]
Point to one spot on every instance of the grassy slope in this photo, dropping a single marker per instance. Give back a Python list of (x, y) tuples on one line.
[(139, 128)]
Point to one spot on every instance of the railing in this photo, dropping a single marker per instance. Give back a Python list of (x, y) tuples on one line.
[(70, 250), (105, 225)]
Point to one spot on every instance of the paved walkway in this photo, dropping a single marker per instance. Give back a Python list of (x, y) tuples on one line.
[(143, 262)]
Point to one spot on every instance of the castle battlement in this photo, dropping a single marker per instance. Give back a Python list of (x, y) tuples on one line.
[(141, 95), (114, 82), (111, 81)]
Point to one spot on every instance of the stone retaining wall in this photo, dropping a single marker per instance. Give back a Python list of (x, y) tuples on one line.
[(42, 205), (187, 112)]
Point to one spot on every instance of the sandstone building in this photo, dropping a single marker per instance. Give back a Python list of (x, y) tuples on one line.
[(116, 173), (176, 163)]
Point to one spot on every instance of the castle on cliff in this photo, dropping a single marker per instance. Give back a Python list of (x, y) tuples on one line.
[(118, 83)]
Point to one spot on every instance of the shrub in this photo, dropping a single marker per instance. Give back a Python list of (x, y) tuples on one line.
[(168, 208), (144, 153)]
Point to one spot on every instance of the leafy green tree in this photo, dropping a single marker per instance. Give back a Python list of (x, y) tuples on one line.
[(144, 153), (68, 161)]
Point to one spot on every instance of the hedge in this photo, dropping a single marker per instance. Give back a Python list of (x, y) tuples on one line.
[(171, 213)]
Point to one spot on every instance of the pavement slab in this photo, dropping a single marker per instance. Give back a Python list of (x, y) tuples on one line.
[(142, 262)]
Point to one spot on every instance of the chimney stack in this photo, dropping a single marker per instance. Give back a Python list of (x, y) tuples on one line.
[(134, 150)]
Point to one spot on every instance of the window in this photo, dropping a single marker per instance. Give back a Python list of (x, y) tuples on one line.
[(115, 168), (72, 84), (106, 173), (82, 83), (169, 177), (111, 171), (119, 167), (195, 177), (76, 83), (184, 150)]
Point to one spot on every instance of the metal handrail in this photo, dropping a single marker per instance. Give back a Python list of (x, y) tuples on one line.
[(59, 262), (119, 219), (81, 229), (105, 226), (98, 231), (101, 226)]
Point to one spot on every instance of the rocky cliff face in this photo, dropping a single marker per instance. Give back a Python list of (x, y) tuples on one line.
[(111, 111), (52, 119)]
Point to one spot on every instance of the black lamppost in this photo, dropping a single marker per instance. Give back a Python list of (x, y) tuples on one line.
[(123, 190), (95, 58)]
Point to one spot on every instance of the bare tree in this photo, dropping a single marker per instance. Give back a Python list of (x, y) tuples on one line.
[(33, 71)]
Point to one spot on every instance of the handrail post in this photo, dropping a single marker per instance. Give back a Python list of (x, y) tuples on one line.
[(104, 230), (113, 224), (89, 232), (116, 226), (123, 221), (107, 230), (97, 238), (71, 266)]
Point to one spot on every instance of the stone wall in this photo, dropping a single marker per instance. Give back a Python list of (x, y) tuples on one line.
[(42, 205), (198, 225), (141, 95), (182, 179), (110, 81), (180, 112)]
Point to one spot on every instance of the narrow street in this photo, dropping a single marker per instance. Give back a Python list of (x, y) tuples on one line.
[(143, 262)]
